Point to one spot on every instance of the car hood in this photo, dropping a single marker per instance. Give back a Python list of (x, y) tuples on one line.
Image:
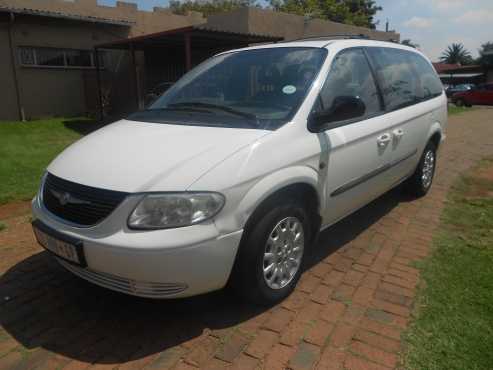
[(136, 156)]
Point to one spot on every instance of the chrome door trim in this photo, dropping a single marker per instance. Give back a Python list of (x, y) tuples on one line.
[(368, 176)]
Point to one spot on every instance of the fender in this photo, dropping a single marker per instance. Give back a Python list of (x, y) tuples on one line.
[(274, 182), (435, 128)]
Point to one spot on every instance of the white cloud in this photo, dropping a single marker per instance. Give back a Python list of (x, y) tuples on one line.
[(447, 4), (475, 17), (435, 24), (419, 22)]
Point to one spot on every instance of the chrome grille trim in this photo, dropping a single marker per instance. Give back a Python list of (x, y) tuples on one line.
[(91, 206), (123, 285)]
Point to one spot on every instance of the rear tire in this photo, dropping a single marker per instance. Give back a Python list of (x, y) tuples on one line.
[(420, 182), (460, 103), (265, 271)]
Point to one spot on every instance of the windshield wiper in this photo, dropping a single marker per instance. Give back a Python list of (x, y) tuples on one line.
[(250, 116), (183, 109)]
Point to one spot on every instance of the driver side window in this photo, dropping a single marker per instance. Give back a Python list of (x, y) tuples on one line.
[(350, 76)]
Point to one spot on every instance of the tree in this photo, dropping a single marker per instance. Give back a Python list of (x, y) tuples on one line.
[(354, 12), (456, 54), (486, 55), (408, 42), (208, 7)]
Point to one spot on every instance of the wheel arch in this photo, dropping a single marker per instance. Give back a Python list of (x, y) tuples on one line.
[(299, 182), (435, 134)]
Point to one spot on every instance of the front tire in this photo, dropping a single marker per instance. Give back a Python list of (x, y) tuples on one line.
[(271, 256), (420, 182)]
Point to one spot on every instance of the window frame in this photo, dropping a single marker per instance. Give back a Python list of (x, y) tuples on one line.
[(418, 75), (373, 68), (334, 125), (294, 111), (33, 50), (413, 70)]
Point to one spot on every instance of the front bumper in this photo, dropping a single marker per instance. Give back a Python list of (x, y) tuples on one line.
[(168, 263)]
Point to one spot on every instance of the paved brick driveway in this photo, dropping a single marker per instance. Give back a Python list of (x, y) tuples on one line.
[(347, 312)]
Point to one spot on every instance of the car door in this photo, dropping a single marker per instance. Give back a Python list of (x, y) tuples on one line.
[(406, 94), (485, 95), (477, 95), (357, 149), (489, 95)]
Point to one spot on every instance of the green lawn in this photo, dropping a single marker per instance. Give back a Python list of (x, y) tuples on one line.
[(26, 148), (454, 324), (452, 110)]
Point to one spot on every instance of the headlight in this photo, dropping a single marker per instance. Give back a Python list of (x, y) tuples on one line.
[(167, 210)]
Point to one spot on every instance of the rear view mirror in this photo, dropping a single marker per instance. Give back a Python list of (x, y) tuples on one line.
[(344, 108)]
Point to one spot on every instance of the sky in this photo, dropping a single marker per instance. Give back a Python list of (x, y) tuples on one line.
[(433, 24)]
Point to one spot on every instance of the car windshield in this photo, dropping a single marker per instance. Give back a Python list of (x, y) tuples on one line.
[(259, 88)]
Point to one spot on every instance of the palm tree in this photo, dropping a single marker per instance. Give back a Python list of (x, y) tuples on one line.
[(456, 54)]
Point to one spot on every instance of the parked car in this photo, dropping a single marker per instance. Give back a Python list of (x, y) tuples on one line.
[(480, 95), (451, 90), (232, 172)]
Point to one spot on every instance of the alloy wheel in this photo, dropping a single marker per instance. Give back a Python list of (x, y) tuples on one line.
[(283, 253), (428, 169)]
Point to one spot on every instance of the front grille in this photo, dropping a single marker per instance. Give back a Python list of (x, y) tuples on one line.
[(123, 285), (79, 204)]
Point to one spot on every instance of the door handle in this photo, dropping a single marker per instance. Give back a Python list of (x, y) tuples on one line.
[(398, 133), (384, 139)]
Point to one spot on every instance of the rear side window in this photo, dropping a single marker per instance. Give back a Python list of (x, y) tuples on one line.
[(398, 81), (405, 77), (430, 83), (350, 75)]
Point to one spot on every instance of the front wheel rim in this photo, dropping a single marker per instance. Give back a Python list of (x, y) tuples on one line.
[(283, 253), (428, 169)]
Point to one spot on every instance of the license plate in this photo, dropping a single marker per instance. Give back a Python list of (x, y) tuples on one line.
[(63, 246)]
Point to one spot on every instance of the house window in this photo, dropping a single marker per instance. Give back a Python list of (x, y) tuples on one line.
[(50, 57), (79, 58), (62, 58), (27, 56)]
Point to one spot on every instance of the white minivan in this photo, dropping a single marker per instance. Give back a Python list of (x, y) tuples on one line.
[(229, 176)]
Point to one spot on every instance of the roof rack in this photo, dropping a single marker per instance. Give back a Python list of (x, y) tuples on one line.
[(342, 36)]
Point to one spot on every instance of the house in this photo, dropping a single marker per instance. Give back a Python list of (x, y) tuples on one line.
[(47, 64), (455, 74), (68, 58)]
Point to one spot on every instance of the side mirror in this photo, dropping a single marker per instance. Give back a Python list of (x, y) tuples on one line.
[(344, 108)]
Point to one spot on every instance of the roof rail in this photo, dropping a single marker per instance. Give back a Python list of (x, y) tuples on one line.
[(343, 36)]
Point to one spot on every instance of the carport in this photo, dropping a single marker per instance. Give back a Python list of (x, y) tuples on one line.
[(474, 74), (170, 54)]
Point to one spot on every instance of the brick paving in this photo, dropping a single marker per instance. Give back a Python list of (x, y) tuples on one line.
[(348, 311)]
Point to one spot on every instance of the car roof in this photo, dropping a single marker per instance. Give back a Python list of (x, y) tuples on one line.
[(326, 42)]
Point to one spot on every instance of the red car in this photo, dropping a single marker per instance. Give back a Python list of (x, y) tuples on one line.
[(480, 95)]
